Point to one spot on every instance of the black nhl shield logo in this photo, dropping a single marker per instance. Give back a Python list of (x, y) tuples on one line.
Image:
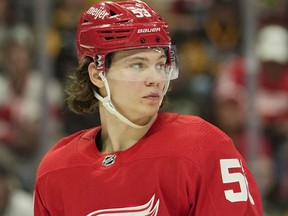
[(108, 160)]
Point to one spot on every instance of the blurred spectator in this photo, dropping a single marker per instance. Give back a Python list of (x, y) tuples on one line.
[(11, 26), (271, 101), (196, 68), (223, 27), (20, 107), (13, 199), (229, 115), (62, 49), (62, 31)]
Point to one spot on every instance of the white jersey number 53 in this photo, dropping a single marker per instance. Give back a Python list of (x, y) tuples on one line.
[(235, 177)]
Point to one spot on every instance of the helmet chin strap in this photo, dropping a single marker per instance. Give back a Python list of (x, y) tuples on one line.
[(107, 103)]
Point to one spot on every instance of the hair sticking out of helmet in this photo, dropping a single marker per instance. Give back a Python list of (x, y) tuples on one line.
[(108, 27)]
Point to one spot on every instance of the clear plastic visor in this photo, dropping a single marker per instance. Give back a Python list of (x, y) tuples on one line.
[(155, 63)]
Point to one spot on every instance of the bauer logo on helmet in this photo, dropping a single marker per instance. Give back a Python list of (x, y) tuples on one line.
[(148, 30)]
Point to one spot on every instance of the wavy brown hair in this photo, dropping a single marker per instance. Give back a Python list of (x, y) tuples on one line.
[(79, 90)]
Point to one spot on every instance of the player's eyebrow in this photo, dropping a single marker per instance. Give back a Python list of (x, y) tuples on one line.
[(134, 53), (135, 58)]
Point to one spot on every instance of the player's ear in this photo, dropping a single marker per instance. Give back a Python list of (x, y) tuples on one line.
[(94, 75)]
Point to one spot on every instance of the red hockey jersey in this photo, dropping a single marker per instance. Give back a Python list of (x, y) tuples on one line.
[(183, 166)]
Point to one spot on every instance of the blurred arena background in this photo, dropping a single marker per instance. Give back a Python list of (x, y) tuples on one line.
[(234, 74)]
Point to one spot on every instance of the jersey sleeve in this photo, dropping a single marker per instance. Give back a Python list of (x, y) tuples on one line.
[(226, 186), (39, 208)]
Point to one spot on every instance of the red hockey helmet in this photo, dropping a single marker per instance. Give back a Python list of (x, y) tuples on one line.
[(109, 26)]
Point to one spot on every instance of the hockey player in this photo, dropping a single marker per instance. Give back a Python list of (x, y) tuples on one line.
[(140, 161)]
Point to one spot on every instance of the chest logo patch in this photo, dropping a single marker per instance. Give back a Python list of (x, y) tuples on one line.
[(109, 160)]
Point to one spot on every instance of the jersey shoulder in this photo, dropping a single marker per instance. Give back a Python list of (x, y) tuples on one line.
[(191, 128), (62, 154), (191, 137)]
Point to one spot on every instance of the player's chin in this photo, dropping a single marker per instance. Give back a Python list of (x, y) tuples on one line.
[(146, 118), (150, 111)]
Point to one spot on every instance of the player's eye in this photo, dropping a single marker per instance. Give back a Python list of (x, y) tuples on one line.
[(160, 66), (137, 66)]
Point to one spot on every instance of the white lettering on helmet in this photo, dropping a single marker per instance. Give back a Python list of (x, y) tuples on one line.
[(148, 30), (100, 13)]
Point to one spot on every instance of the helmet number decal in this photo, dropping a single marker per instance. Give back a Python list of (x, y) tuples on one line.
[(140, 12)]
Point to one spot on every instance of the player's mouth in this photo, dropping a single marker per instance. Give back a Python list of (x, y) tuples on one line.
[(153, 97)]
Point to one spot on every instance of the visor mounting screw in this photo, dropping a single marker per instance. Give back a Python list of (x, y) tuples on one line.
[(143, 40), (157, 39)]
